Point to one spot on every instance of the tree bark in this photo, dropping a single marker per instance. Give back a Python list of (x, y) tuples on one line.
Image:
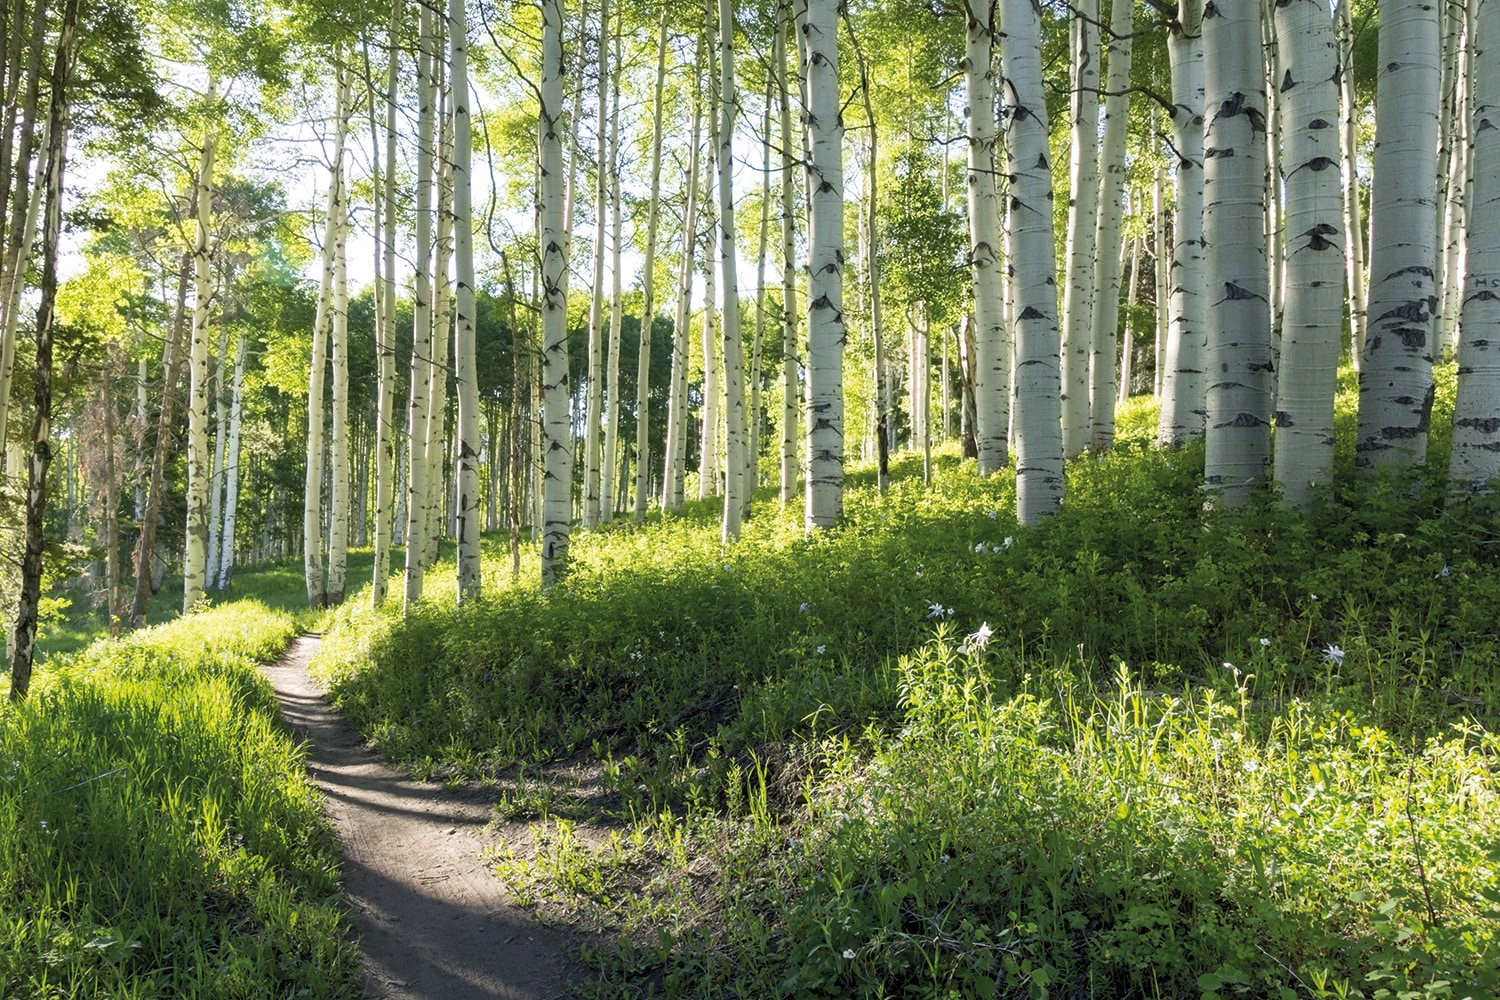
[(648, 287), (195, 558), (385, 338), (735, 500), (232, 468), (557, 448), (418, 400), (1083, 198), (992, 364)]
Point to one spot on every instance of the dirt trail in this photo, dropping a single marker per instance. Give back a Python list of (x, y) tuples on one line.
[(434, 923)]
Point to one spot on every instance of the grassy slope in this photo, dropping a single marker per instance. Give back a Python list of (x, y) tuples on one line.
[(1154, 779), (158, 835)]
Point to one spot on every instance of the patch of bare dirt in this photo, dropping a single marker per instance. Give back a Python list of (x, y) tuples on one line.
[(434, 922)]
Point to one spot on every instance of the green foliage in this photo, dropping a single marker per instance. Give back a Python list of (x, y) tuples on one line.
[(158, 835)]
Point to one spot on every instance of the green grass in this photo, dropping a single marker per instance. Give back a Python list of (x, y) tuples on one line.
[(158, 834), (1153, 780)]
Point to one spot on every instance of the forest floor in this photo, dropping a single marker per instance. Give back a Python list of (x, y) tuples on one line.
[(434, 921)]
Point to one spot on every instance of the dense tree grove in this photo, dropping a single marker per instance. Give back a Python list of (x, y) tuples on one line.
[(588, 247)]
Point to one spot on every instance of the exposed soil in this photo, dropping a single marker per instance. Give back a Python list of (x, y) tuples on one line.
[(434, 922)]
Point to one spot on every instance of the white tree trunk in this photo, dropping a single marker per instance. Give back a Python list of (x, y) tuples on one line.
[(557, 437), (232, 467), (608, 485), (735, 500), (418, 401), (1183, 367), (1354, 244), (195, 560), (1105, 319), (338, 445), (1395, 384), (10, 304), (826, 332), (790, 383), (467, 447), (708, 422), (1038, 400), (385, 339), (1239, 387), (433, 520), (993, 363), (216, 481), (1083, 199), (648, 286), (675, 446), (1475, 460), (594, 407), (1313, 320)]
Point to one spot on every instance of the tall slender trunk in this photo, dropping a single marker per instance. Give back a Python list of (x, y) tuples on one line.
[(992, 364), (872, 268), (111, 498), (825, 315), (1395, 382), (1238, 399), (708, 418), (1105, 319), (1184, 366), (756, 422), (675, 449), (1039, 441), (557, 449), (594, 405), (195, 558), (1083, 198), (232, 466), (434, 524), (145, 552), (1161, 259), (385, 337), (338, 445), (735, 500), (216, 481), (1313, 322), (29, 598), (790, 384), (1127, 351), (419, 402), (466, 367), (648, 286), (1354, 244), (1475, 459), (608, 481)]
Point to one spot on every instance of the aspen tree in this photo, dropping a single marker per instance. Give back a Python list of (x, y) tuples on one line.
[(195, 559), (418, 403), (826, 332), (791, 389), (434, 525), (1038, 400), (1354, 244), (145, 545), (1105, 318), (675, 450), (871, 239), (733, 348), (385, 336), (1083, 199), (1313, 321), (216, 480), (608, 479), (648, 284), (467, 446), (1238, 396), (1475, 460), (338, 444), (594, 404), (1183, 368), (232, 466), (1395, 382), (557, 449), (984, 238)]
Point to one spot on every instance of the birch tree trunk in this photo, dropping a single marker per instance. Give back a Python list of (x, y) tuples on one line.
[(442, 309), (595, 400), (29, 599), (1038, 399), (825, 315), (418, 404), (735, 501), (338, 445), (1083, 199), (1183, 368), (675, 446), (1354, 244), (790, 384), (232, 467), (871, 240), (608, 482), (993, 365), (1395, 382), (708, 422), (1105, 319), (195, 560), (648, 286), (1475, 460), (467, 447), (1238, 400), (1313, 321), (145, 552), (557, 447), (385, 338)]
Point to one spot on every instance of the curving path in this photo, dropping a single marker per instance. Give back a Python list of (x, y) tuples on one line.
[(434, 923)]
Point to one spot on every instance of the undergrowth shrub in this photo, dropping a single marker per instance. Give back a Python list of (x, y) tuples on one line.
[(158, 834)]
